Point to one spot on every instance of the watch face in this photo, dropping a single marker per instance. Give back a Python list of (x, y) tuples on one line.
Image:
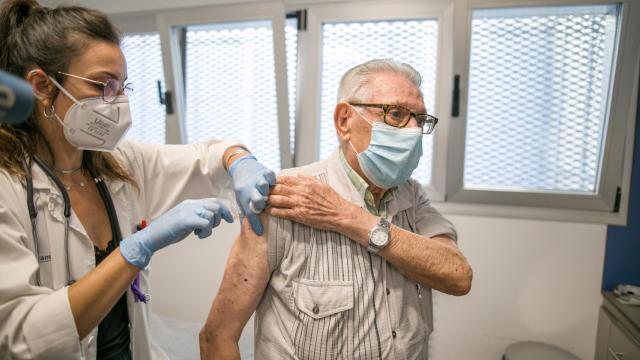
[(379, 237)]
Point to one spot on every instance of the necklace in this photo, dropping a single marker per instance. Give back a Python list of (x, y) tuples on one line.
[(80, 183), (68, 171), (69, 186)]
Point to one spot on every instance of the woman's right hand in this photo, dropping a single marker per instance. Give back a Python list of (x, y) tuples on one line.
[(199, 216)]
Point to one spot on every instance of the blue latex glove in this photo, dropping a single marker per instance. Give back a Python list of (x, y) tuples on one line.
[(199, 216), (251, 181)]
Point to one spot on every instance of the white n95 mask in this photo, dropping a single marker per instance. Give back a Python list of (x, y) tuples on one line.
[(92, 124)]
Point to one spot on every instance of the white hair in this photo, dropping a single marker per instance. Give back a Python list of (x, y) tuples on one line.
[(353, 83)]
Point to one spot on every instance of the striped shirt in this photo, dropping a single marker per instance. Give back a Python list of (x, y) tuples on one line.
[(329, 298)]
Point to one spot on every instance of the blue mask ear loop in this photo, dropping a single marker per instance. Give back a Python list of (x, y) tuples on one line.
[(363, 118), (361, 115)]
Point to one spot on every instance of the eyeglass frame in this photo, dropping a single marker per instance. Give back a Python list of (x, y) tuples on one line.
[(386, 107), (127, 88)]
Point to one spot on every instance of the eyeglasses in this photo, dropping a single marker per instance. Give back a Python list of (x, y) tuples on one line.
[(111, 88), (399, 116)]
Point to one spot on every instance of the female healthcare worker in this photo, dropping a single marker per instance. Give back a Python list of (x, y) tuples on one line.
[(67, 290)]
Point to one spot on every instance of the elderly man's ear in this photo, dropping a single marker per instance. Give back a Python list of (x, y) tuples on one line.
[(341, 116)]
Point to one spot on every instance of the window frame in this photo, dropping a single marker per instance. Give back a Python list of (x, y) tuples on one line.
[(167, 20), (310, 60), (618, 135)]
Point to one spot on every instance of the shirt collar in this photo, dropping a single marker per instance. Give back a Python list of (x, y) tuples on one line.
[(41, 181), (363, 188)]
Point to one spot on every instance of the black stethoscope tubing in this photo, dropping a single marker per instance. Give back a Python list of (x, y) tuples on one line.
[(33, 211)]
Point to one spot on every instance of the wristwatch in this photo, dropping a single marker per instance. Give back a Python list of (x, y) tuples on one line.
[(379, 236)]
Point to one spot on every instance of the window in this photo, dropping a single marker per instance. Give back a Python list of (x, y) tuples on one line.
[(346, 44), (545, 106), (229, 76), (230, 86), (144, 68), (539, 84), (228, 67)]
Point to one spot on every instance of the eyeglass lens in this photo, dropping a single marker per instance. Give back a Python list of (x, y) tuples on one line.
[(113, 88), (399, 116), (427, 123)]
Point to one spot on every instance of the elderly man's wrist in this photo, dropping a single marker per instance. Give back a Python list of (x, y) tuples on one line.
[(356, 224)]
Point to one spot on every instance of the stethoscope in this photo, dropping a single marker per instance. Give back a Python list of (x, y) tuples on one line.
[(33, 212)]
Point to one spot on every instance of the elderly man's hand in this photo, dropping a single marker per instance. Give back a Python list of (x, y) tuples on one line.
[(306, 200)]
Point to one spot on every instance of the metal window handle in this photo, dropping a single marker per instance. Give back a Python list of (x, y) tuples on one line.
[(165, 98), (455, 103), (616, 355)]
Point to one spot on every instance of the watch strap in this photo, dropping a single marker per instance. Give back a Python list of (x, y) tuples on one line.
[(373, 249)]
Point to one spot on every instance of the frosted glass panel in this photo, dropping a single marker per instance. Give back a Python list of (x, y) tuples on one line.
[(539, 83), (231, 88), (144, 67)]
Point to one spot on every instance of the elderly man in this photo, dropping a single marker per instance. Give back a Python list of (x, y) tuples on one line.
[(353, 246)]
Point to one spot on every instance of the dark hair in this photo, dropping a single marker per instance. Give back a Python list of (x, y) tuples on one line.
[(33, 35)]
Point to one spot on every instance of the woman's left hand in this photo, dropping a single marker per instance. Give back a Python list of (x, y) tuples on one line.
[(306, 200), (251, 182)]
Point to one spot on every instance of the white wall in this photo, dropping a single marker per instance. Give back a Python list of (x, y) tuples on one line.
[(533, 280), (186, 276)]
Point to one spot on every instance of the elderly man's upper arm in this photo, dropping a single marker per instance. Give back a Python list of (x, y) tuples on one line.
[(429, 221), (245, 279)]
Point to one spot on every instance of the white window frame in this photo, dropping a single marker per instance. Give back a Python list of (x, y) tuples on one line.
[(310, 55), (167, 20), (135, 23), (619, 133)]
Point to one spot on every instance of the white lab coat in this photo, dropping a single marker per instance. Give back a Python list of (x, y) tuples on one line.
[(36, 322)]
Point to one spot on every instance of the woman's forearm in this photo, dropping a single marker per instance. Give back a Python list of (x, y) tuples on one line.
[(93, 296)]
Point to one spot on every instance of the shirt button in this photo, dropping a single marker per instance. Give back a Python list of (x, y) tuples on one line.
[(393, 333), (388, 292), (316, 309)]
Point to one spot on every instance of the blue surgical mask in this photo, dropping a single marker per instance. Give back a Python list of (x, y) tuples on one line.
[(392, 156)]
